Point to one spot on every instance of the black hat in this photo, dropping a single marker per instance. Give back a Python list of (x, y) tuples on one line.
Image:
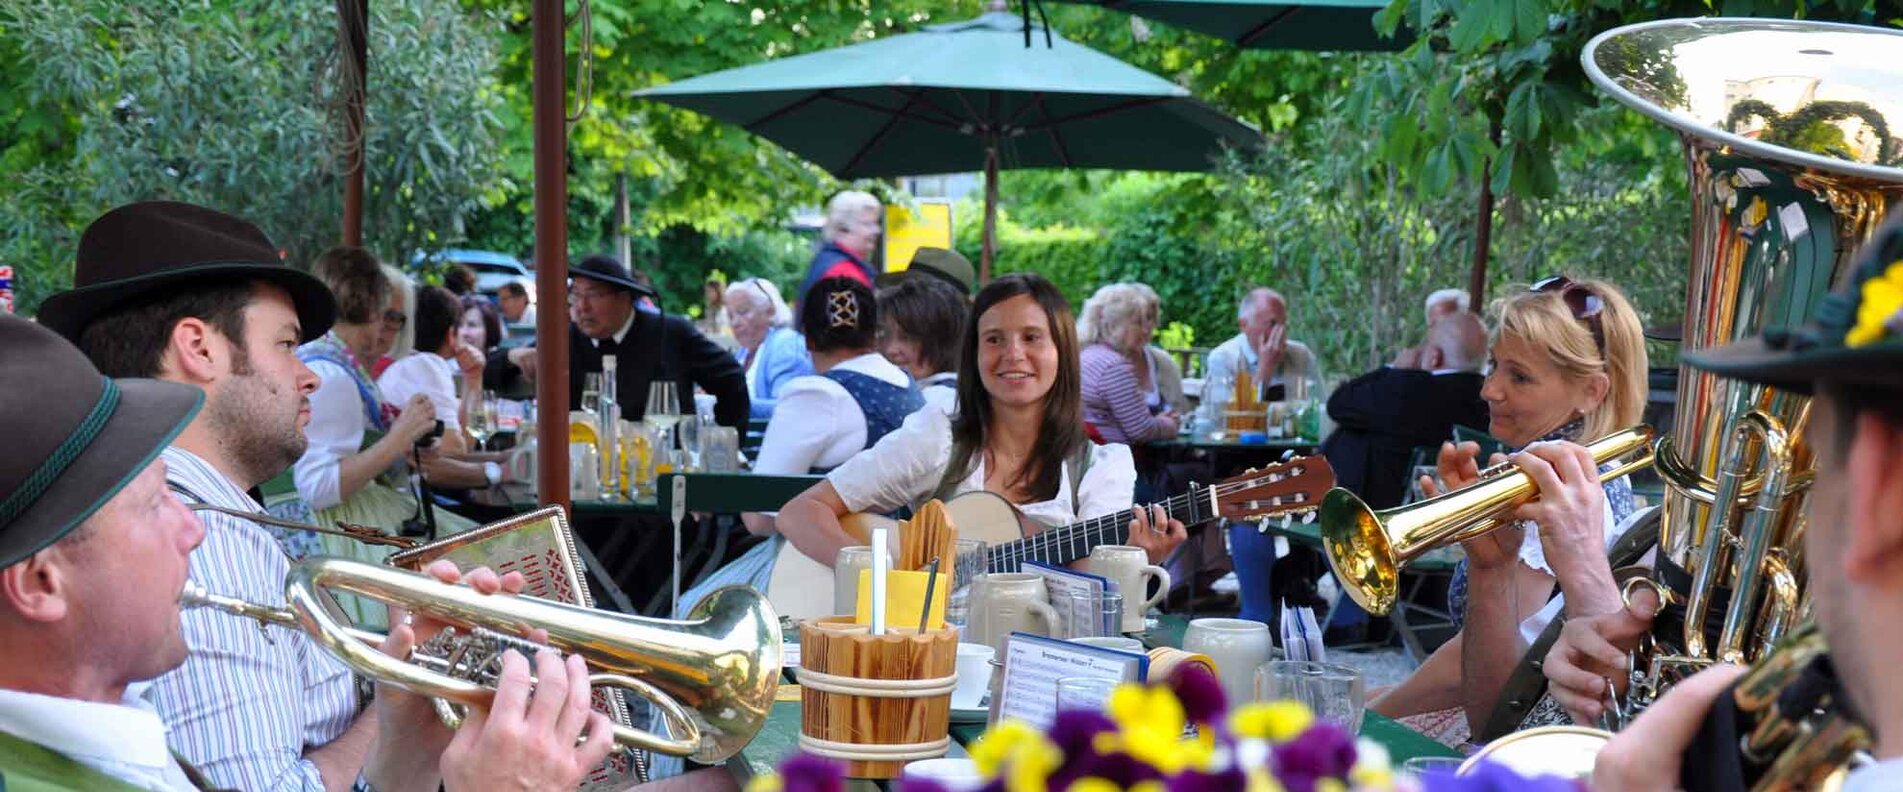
[(136, 248), (947, 265), (1856, 337), (607, 269), (74, 437)]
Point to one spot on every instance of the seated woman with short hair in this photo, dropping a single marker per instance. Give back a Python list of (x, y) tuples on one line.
[(1121, 397), (919, 320)]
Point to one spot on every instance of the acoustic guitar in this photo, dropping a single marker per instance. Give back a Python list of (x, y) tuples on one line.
[(802, 588)]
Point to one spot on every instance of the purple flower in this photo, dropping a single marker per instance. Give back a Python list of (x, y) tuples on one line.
[(1495, 777), (1200, 693), (1198, 781), (1323, 751), (804, 773), (1118, 768), (1075, 729)]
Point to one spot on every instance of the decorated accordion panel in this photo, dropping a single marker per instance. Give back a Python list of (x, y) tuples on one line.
[(540, 547)]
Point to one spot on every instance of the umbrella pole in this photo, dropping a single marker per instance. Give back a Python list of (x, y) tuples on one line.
[(551, 252), (353, 17), (1483, 232), (991, 214)]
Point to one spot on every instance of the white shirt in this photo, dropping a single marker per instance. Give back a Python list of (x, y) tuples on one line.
[(1884, 776), (940, 391), (822, 425), (1237, 355), (248, 700), (904, 468), (1533, 554), (335, 431), (429, 374), (125, 740)]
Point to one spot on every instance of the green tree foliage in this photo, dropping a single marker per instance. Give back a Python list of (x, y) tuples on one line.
[(1499, 81), (235, 104)]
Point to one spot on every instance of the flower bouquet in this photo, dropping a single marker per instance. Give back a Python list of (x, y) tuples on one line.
[(1145, 742)]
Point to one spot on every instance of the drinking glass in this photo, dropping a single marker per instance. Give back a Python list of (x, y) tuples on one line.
[(591, 393), (846, 568), (1084, 693), (482, 420), (719, 449), (967, 563), (1335, 693), (1095, 615), (663, 412), (1420, 767), (690, 431)]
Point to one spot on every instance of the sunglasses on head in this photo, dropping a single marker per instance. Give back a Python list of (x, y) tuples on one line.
[(1586, 305)]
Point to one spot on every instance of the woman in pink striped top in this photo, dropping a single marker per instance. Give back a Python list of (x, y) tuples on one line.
[(1121, 397)]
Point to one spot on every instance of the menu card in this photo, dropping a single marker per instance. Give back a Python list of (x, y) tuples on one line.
[(1061, 583), (1033, 664)]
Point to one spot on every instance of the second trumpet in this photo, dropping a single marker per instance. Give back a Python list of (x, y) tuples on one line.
[(1367, 549)]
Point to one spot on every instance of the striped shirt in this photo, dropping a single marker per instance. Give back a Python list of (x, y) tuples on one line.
[(249, 700), (1112, 401)]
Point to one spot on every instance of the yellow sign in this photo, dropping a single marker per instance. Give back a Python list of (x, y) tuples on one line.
[(930, 225)]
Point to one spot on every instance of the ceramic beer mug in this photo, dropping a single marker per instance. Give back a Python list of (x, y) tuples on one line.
[(1237, 646), (1130, 567), (1006, 602)]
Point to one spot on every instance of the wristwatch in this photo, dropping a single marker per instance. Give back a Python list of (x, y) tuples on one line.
[(492, 472)]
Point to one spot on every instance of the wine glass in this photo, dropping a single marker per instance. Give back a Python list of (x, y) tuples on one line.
[(591, 393), (482, 420)]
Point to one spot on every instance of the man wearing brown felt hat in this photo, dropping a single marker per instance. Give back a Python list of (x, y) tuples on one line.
[(1850, 359), (197, 297)]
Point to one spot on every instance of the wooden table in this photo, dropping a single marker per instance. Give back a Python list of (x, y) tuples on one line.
[(780, 737)]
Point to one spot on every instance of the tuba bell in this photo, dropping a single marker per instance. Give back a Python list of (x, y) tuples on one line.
[(712, 675)]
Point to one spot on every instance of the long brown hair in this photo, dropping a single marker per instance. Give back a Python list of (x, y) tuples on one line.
[(1061, 432)]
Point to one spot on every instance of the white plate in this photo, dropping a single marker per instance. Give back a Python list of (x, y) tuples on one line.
[(970, 714)]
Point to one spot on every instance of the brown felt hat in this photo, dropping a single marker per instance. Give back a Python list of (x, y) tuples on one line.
[(74, 438), (138, 248)]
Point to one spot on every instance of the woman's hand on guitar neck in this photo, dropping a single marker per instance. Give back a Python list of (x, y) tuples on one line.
[(1152, 529)]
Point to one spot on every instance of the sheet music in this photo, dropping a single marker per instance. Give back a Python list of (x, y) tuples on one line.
[(1033, 665)]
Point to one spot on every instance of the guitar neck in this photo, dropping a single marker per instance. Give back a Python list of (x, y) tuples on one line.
[(1058, 546)]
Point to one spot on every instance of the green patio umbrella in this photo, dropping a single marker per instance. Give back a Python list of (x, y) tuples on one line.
[(1311, 25), (966, 96)]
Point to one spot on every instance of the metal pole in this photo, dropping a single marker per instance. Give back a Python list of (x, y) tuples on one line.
[(551, 253), (624, 246), (353, 30), (991, 215), (1483, 232)]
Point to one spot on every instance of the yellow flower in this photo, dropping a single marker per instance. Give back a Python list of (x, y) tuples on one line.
[(1019, 752), (1151, 722), (1260, 780), (765, 783), (1373, 769), (1330, 785), (1093, 785), (1275, 721), (1882, 304)]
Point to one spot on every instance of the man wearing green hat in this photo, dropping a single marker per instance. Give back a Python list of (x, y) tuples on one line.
[(197, 297), (94, 551), (1850, 358)]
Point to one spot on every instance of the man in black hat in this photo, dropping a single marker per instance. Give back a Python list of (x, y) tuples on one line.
[(94, 551), (197, 297), (1851, 360), (605, 318)]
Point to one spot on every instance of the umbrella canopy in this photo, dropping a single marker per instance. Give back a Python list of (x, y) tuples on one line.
[(964, 96), (1312, 25)]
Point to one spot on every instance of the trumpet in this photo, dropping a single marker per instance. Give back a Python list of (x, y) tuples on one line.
[(1368, 549), (712, 675)]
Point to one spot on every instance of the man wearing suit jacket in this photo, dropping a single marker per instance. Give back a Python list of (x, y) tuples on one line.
[(1383, 415), (606, 319)]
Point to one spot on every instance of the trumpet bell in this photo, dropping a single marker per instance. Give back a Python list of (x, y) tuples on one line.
[(1359, 551)]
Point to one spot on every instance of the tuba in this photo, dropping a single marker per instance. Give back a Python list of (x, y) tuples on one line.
[(712, 675), (1792, 162)]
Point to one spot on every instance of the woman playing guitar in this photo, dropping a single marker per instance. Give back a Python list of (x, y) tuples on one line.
[(1018, 432)]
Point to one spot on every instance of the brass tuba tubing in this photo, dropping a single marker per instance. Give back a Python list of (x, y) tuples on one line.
[(1368, 549), (1752, 541), (712, 675)]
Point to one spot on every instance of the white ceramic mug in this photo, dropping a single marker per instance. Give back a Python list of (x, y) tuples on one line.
[(974, 675), (1006, 602), (1130, 567), (1237, 646)]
